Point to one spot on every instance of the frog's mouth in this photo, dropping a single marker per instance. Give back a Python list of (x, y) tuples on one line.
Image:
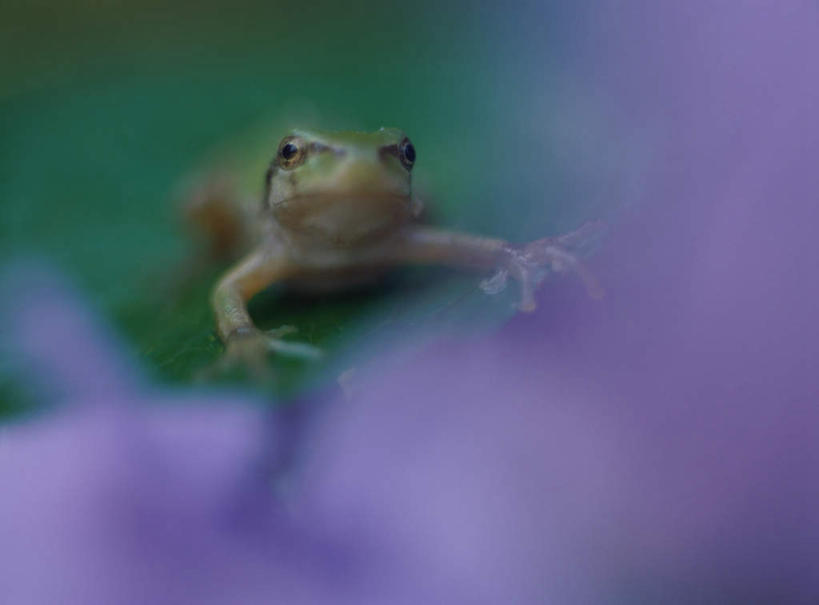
[(344, 218)]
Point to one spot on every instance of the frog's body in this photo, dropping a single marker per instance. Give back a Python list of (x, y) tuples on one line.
[(338, 209)]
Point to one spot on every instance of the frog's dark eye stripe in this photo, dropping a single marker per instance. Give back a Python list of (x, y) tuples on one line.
[(316, 147), (388, 150), (404, 151), (268, 180), (293, 151)]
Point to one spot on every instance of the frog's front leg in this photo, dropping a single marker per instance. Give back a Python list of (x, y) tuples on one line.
[(244, 343), (526, 264)]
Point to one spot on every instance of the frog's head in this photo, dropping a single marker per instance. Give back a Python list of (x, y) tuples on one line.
[(341, 187)]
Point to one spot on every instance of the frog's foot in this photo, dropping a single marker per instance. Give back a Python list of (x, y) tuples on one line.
[(547, 255), (529, 265), (248, 349)]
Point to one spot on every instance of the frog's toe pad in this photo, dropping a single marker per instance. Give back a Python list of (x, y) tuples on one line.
[(496, 283), (301, 350)]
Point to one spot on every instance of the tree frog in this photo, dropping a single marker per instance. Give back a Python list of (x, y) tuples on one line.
[(337, 208)]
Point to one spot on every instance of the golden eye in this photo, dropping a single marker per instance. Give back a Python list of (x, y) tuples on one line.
[(406, 152), (291, 152)]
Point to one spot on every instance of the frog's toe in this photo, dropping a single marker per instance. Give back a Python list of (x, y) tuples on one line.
[(545, 255), (248, 352), (522, 272), (496, 283), (282, 331), (527, 303), (301, 350)]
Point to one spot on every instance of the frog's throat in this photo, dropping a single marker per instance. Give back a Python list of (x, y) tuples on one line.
[(344, 219)]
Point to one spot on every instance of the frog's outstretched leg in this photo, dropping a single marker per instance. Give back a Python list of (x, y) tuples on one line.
[(244, 343), (526, 264)]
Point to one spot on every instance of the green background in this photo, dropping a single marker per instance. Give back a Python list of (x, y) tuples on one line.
[(106, 106)]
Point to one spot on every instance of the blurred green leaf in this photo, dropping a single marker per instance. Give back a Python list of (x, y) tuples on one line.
[(104, 107)]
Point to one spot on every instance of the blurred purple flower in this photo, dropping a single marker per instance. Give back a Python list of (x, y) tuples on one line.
[(659, 446), (121, 497)]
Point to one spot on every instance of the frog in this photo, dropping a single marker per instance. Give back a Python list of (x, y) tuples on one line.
[(338, 209)]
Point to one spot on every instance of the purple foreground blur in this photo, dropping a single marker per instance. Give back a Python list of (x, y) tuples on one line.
[(660, 446)]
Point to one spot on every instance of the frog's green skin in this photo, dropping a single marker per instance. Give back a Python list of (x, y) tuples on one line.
[(338, 206)]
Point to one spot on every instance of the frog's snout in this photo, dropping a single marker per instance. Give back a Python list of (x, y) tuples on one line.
[(369, 175)]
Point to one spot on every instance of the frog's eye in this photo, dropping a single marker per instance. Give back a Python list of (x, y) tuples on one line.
[(291, 152), (406, 152)]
